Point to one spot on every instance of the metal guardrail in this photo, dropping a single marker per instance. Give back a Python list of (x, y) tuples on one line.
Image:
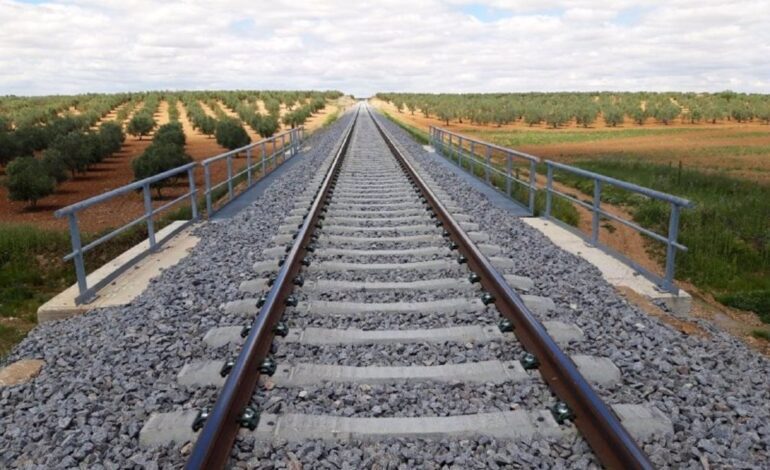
[(71, 212), (677, 204), (86, 292), (294, 136), (482, 155)]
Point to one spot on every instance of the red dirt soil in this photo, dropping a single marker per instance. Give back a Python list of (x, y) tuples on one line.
[(114, 172)]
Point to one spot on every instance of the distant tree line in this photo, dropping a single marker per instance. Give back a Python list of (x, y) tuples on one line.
[(585, 109)]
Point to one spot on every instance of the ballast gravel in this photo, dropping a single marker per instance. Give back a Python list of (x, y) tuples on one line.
[(107, 370), (716, 390)]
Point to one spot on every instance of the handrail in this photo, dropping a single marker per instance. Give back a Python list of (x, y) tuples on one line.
[(451, 144), (295, 137), (682, 202), (670, 239), (286, 150), (85, 292), (86, 203)]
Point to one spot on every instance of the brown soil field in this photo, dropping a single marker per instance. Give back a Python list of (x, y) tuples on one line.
[(116, 171), (740, 150)]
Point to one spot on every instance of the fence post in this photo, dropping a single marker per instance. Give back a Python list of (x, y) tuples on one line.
[(283, 147), (673, 234), (548, 187), (80, 268), (532, 185), (229, 177), (248, 165), (508, 175), (473, 158), (460, 150), (148, 214), (193, 202), (596, 217), (207, 183), (264, 157), (489, 162)]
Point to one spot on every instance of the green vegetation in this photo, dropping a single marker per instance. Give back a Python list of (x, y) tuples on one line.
[(727, 233), (31, 271), (761, 334), (519, 138), (331, 118), (559, 109), (418, 134), (165, 153), (28, 180), (140, 125), (231, 134)]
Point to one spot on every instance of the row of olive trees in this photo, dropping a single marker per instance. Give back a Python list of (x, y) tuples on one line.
[(21, 138), (30, 179), (166, 152), (585, 109)]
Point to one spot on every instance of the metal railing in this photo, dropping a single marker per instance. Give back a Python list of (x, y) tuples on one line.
[(480, 155), (279, 148), (71, 212), (670, 239)]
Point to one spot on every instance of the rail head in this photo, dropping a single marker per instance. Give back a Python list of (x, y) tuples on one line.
[(598, 424), (213, 446), (86, 203)]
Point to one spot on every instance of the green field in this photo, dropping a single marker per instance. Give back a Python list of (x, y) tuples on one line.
[(727, 233)]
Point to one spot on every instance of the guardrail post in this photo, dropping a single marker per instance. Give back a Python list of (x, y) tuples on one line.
[(148, 214), (207, 182), (473, 158), (193, 202), (248, 165), (80, 268), (532, 186), (596, 216), (548, 187), (283, 147), (460, 151), (508, 175), (489, 162), (229, 177), (264, 158), (673, 234)]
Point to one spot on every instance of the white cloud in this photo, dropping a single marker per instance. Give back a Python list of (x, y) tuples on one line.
[(368, 46)]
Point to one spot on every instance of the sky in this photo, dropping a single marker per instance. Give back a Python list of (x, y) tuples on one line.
[(362, 47)]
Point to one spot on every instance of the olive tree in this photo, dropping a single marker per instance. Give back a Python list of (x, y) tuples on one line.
[(159, 157), (28, 180), (140, 125), (231, 134)]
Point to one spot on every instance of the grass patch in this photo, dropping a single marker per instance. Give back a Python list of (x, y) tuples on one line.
[(726, 233), (31, 272), (761, 334), (517, 138), (418, 134), (331, 118)]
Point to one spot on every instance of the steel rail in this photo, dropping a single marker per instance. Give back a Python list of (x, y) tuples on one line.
[(214, 444), (596, 422)]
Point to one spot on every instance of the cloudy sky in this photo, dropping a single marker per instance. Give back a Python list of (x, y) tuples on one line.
[(362, 47)]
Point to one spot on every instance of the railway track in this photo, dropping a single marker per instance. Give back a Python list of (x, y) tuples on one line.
[(381, 312)]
